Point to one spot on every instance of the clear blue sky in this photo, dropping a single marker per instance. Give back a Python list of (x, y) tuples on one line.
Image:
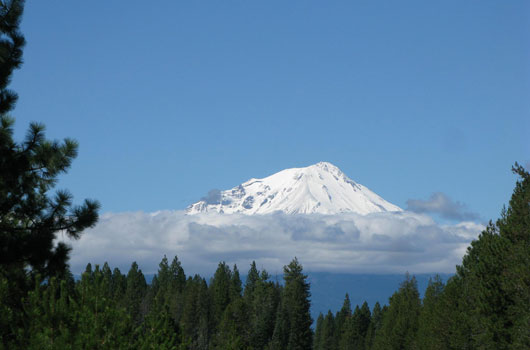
[(170, 99)]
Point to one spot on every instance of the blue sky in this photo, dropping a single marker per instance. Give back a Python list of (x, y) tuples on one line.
[(173, 98)]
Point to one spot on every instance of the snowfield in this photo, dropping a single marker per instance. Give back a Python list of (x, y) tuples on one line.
[(321, 188)]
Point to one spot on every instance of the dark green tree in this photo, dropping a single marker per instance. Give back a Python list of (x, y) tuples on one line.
[(29, 217), (50, 312), (262, 299), (341, 318), (232, 332), (135, 291), (118, 286), (252, 280), (100, 323), (327, 336), (356, 328), (157, 332), (400, 323), (376, 320), (196, 322), (494, 278), (428, 336), (11, 44), (235, 284), (221, 286), (293, 325), (317, 339)]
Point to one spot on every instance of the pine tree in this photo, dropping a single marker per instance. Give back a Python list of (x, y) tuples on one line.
[(49, 310), (252, 280), (293, 326), (262, 300), (100, 322), (11, 44), (355, 329), (233, 329), (429, 321), (400, 323), (178, 277), (514, 225), (327, 336), (29, 218), (220, 290), (175, 298), (235, 285), (376, 320), (8, 317), (135, 292), (494, 277), (196, 322), (340, 320), (118, 286), (157, 332), (317, 339)]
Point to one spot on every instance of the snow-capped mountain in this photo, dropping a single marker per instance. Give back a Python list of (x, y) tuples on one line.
[(321, 188)]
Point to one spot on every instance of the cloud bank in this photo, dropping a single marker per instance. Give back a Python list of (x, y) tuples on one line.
[(347, 243), (441, 204)]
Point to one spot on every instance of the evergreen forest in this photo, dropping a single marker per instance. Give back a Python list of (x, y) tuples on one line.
[(485, 305)]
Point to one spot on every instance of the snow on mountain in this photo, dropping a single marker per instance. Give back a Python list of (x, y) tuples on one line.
[(320, 188)]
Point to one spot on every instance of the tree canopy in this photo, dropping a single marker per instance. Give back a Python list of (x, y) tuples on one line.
[(31, 217)]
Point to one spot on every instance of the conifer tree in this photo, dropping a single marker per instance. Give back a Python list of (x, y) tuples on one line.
[(100, 322), (8, 317), (262, 301), (196, 321), (233, 330), (293, 326), (340, 320), (327, 336), (29, 217), (118, 286), (455, 325), (252, 280), (178, 276), (220, 290), (135, 292), (429, 331), (49, 310), (11, 44), (317, 339), (400, 323), (376, 320), (355, 329), (235, 284), (494, 277), (158, 332)]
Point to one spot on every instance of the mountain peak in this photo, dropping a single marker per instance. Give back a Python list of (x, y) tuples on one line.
[(320, 188)]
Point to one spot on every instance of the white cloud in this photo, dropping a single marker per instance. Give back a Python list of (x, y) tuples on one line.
[(375, 243)]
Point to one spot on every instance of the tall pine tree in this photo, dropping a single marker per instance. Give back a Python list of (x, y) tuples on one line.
[(293, 326)]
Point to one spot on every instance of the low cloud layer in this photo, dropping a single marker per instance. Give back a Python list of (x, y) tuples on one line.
[(375, 243), (442, 205)]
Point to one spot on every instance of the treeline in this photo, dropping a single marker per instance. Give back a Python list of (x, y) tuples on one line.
[(106, 309)]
